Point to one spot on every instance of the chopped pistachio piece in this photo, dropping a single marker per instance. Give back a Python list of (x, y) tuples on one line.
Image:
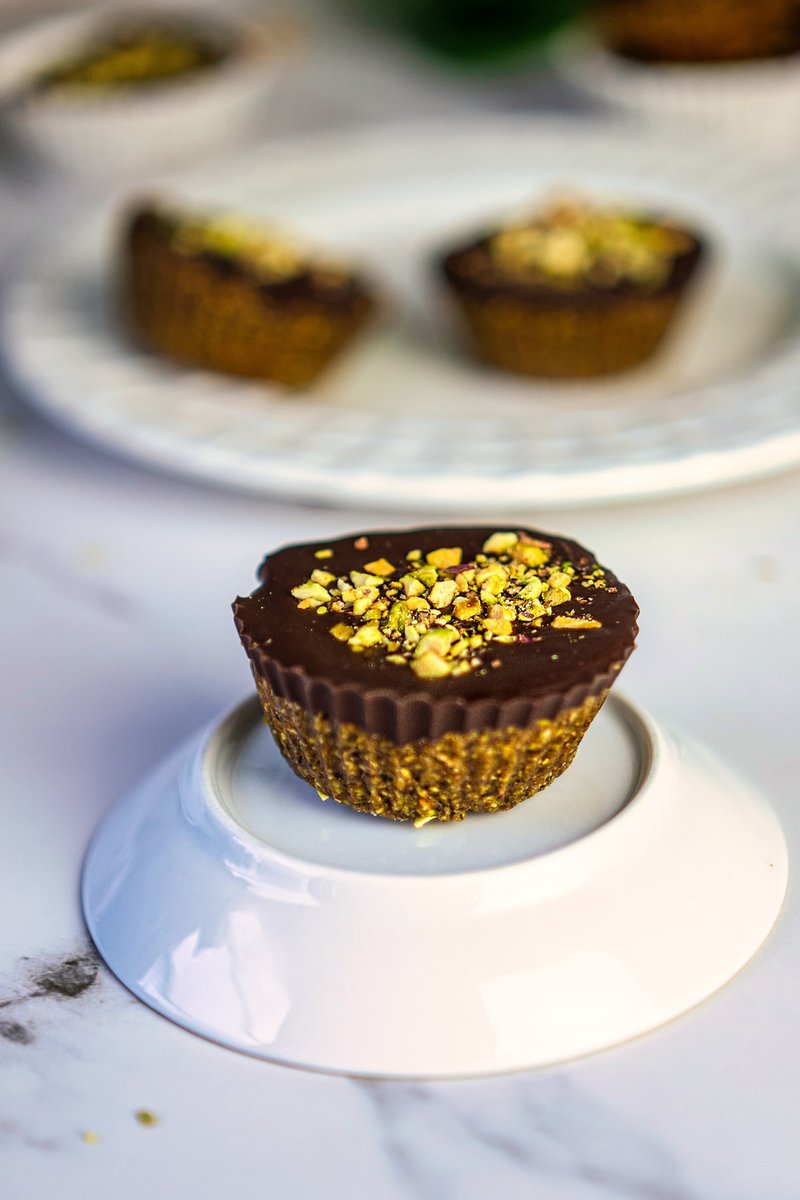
[(342, 632), (436, 641), (431, 666), (364, 599), (559, 579), (500, 543), (399, 615), (554, 596), (323, 577), (442, 593), (421, 821), (575, 623), (323, 554), (380, 567), (500, 620), (367, 635), (412, 586), (531, 554), (467, 608), (427, 576), (446, 557), (364, 579), (532, 589), (311, 591)]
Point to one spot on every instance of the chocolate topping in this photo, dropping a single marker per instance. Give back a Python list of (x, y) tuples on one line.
[(548, 669), (314, 279), (476, 267)]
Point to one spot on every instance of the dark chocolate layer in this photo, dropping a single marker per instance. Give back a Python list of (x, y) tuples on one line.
[(555, 669), (346, 293), (470, 268)]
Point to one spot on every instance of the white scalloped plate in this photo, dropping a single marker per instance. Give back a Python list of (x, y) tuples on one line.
[(407, 420)]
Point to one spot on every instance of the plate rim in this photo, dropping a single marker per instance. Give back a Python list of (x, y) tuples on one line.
[(177, 453)]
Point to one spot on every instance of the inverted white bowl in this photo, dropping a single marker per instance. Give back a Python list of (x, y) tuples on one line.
[(228, 897)]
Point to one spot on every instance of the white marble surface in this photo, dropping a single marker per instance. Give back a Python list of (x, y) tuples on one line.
[(117, 641)]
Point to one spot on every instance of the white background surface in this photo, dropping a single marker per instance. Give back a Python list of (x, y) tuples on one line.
[(117, 641)]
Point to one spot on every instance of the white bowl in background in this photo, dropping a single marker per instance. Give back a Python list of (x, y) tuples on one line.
[(131, 129), (755, 104)]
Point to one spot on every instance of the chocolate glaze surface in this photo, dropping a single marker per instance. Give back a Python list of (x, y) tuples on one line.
[(348, 292), (559, 668), (459, 268)]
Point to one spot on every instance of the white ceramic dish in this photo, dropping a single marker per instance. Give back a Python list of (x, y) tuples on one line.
[(137, 129), (226, 896), (755, 104), (407, 420)]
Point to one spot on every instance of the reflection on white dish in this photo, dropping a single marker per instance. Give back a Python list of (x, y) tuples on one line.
[(643, 882)]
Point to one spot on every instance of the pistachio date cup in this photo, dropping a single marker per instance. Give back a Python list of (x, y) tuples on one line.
[(434, 672), (573, 291), (706, 31), (230, 295)]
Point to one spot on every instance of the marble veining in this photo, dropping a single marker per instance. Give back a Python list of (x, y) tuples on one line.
[(537, 1128), (45, 564)]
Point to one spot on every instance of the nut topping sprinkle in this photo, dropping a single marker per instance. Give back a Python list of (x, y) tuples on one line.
[(272, 254), (442, 616), (571, 242)]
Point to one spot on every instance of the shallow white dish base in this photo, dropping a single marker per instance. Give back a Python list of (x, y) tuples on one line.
[(407, 419), (228, 897)]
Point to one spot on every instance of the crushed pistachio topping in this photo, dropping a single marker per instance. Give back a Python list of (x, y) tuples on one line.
[(440, 615), (274, 255), (134, 56), (570, 242)]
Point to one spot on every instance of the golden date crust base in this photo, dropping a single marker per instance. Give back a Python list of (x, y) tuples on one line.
[(447, 777), (561, 343)]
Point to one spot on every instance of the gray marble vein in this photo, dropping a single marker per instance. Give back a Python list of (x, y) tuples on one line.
[(42, 562), (526, 1130)]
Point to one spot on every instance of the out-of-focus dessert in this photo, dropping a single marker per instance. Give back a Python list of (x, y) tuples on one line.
[(574, 290), (234, 295), (704, 31)]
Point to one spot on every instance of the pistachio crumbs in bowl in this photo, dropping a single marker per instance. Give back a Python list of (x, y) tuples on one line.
[(431, 673), (573, 290)]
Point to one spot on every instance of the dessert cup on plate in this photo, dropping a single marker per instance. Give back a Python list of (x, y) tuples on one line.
[(434, 672), (573, 290), (705, 31), (233, 295)]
